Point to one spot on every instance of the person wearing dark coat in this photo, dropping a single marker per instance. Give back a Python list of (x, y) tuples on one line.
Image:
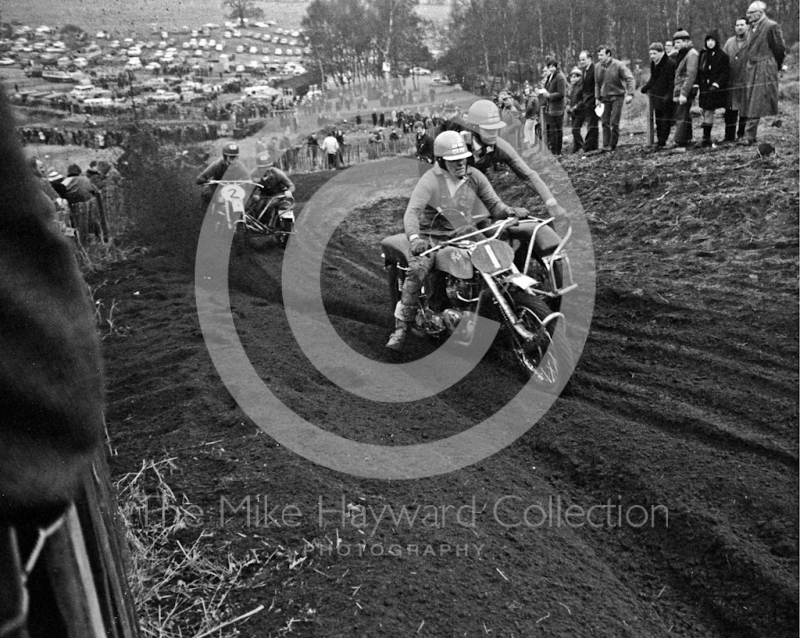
[(660, 87), (555, 92), (712, 82), (575, 96), (766, 51), (585, 112)]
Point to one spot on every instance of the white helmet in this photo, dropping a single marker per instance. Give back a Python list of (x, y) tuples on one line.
[(450, 145)]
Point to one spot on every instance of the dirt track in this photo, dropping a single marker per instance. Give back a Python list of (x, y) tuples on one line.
[(684, 403)]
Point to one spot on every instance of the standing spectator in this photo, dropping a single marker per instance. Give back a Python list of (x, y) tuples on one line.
[(575, 98), (670, 50), (339, 135), (736, 48), (510, 113), (82, 197), (765, 55), (358, 118), (312, 148), (712, 82), (382, 119), (585, 111), (331, 148), (424, 144), (614, 86), (660, 87), (531, 117), (686, 62), (374, 117), (555, 92)]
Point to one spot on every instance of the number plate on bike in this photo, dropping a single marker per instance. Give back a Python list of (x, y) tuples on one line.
[(491, 256)]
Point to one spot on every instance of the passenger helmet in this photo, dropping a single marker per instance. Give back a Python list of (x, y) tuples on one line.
[(230, 150), (449, 145), (485, 114), (263, 160)]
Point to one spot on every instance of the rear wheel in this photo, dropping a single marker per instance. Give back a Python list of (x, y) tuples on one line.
[(547, 356)]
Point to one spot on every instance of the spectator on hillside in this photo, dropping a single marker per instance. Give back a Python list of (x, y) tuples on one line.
[(424, 146), (614, 86), (736, 48), (670, 50), (555, 92), (339, 135), (585, 112), (765, 55), (331, 148), (531, 117), (312, 148), (510, 113), (683, 94), (83, 199), (660, 87), (575, 99), (712, 82)]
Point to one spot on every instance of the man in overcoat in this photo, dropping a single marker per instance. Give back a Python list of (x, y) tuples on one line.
[(736, 48), (765, 54)]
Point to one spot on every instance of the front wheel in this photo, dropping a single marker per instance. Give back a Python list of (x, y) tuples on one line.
[(547, 356), (285, 227)]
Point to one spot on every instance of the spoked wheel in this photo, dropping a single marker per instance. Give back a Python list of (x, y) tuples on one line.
[(546, 357), (538, 271)]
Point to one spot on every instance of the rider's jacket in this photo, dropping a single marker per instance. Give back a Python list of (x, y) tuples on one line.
[(438, 192), (485, 156), (218, 170), (273, 181)]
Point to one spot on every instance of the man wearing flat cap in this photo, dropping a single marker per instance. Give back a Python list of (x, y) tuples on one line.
[(660, 87), (686, 66)]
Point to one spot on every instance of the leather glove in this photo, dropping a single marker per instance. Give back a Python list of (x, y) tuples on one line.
[(520, 213), (418, 246)]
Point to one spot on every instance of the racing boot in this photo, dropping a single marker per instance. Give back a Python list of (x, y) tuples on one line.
[(398, 339), (403, 316)]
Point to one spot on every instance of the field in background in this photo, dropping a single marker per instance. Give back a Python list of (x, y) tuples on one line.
[(138, 16)]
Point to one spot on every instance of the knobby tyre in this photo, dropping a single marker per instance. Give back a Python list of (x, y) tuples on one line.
[(547, 357)]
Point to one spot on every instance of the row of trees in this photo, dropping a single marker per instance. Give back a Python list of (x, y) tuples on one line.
[(503, 39), (363, 38), (512, 37)]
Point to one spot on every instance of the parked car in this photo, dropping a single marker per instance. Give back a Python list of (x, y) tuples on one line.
[(418, 70)]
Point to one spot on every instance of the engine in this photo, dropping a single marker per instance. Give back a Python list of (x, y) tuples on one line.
[(461, 292)]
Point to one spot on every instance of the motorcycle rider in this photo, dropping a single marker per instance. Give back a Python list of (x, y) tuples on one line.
[(451, 185), (228, 166), (480, 131), (274, 182)]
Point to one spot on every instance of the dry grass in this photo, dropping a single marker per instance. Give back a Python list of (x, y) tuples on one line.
[(181, 587)]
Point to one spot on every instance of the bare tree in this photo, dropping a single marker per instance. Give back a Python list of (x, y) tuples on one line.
[(241, 9)]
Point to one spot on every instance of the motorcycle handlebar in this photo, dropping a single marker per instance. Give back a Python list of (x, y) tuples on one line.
[(498, 227)]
